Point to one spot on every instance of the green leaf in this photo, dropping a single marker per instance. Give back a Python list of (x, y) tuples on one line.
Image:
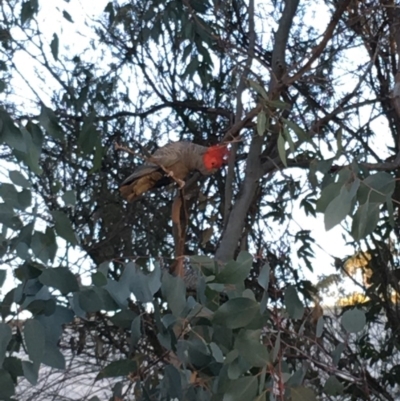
[(24, 199), (354, 320), (10, 134), (143, 286), (89, 135), (235, 272), (67, 16), (297, 378), (13, 366), (118, 368), (31, 372), (302, 135), (336, 353), (28, 10), (7, 389), (89, 300), (244, 388), (192, 67), (277, 347), (237, 368), (278, 104), (7, 302), (63, 227), (293, 304), (332, 190), (199, 6), (261, 397), (320, 327), (258, 88), (33, 140), (18, 179), (34, 335), (390, 209), (263, 278), (99, 279), (69, 198), (49, 122), (333, 386), (174, 291), (203, 262), (53, 357), (217, 353), (60, 278), (340, 206), (3, 275), (339, 143), (124, 318), (5, 337), (302, 394), (44, 245), (365, 220), (136, 332), (376, 188), (236, 313), (54, 46), (172, 382), (288, 138), (250, 348), (281, 149), (54, 323), (9, 194), (261, 123)]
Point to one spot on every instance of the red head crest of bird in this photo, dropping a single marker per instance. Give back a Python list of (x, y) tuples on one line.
[(215, 156)]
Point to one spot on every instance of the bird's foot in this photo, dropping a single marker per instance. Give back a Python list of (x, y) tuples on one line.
[(180, 182)]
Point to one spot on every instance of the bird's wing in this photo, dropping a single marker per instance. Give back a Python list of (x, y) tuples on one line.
[(166, 156), (141, 171)]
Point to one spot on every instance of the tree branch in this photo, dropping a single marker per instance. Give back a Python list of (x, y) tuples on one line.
[(234, 227), (317, 51), (239, 110)]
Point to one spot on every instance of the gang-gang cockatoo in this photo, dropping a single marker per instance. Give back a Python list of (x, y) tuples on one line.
[(173, 161)]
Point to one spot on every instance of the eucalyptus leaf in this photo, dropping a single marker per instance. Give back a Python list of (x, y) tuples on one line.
[(7, 389), (60, 278), (19, 179), (333, 386), (237, 312), (281, 149), (122, 367), (5, 337), (244, 388), (353, 320), (63, 227), (54, 46), (294, 306), (341, 205), (302, 394), (34, 335), (261, 123)]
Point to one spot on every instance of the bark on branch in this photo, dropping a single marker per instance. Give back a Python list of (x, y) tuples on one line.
[(236, 221)]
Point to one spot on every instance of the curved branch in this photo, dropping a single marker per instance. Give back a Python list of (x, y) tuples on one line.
[(239, 110), (235, 224)]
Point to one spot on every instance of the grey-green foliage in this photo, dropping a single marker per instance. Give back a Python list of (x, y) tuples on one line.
[(158, 70), (360, 199)]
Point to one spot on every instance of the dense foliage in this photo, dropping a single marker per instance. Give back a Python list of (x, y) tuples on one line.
[(308, 97)]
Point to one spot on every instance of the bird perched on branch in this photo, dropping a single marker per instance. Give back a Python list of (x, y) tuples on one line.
[(173, 162)]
